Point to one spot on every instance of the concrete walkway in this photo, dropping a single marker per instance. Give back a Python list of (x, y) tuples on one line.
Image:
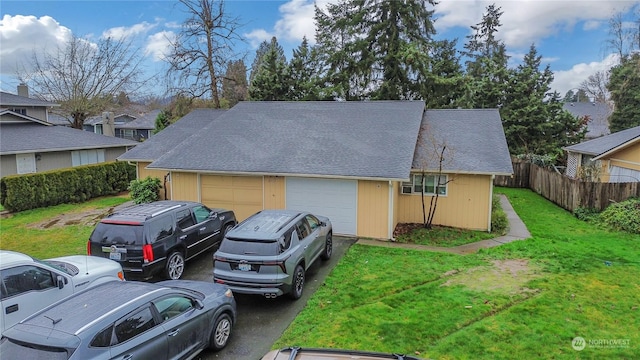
[(517, 231)]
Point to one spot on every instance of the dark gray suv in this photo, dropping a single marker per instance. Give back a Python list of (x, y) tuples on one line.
[(269, 252), (159, 237)]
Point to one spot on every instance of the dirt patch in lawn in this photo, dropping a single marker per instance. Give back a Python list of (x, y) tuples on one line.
[(88, 218), (505, 276)]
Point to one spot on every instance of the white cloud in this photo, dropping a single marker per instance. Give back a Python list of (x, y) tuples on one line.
[(158, 44), (591, 25), (297, 21), (257, 36), (526, 22), (122, 32), (21, 35), (566, 80)]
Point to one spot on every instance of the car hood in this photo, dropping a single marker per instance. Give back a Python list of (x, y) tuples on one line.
[(87, 267), (203, 287)]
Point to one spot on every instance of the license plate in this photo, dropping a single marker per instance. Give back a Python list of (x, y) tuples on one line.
[(244, 267), (115, 256)]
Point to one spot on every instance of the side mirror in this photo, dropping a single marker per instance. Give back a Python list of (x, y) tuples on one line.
[(323, 224), (198, 304), (213, 215), (60, 281)]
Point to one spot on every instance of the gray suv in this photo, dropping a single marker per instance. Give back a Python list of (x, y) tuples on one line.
[(269, 252)]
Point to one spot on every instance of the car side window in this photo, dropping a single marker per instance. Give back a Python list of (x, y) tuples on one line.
[(134, 325), (313, 221), (103, 338), (22, 279), (160, 228), (185, 219), (201, 213), (173, 306), (285, 241), (303, 229)]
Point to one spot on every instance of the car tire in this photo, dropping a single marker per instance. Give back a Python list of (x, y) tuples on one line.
[(175, 266), (297, 283), (227, 228), (221, 332), (328, 248)]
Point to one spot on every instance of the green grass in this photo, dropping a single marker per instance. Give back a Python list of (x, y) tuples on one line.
[(36, 232), (576, 280), (443, 236)]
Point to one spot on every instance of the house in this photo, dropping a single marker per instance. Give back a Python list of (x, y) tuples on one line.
[(359, 163), (24, 105), (29, 145), (611, 158), (126, 126), (598, 114)]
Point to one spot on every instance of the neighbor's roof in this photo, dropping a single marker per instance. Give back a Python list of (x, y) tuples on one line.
[(8, 99), (603, 145), (167, 139), (146, 121), (353, 139), (474, 139), (598, 114), (22, 138)]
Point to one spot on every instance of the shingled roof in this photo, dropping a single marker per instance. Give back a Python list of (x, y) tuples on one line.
[(474, 139), (358, 139), (604, 144), (167, 139), (8, 99)]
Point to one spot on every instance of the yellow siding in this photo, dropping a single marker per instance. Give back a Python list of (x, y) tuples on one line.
[(242, 194), (396, 196), (466, 204), (274, 192), (373, 209), (143, 172), (184, 186), (628, 158)]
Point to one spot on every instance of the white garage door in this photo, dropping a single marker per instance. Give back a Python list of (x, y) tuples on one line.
[(335, 199)]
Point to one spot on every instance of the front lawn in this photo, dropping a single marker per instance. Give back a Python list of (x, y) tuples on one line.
[(523, 300)]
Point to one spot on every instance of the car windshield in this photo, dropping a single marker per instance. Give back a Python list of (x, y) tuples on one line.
[(11, 349), (109, 233), (248, 247), (62, 266)]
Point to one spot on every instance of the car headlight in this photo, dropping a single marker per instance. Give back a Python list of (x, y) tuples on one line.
[(228, 293)]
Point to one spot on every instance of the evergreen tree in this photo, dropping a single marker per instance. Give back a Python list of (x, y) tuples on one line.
[(303, 73), (445, 86), (376, 49), (533, 118), (624, 86), (264, 47), (487, 72), (162, 121), (271, 81), (234, 84)]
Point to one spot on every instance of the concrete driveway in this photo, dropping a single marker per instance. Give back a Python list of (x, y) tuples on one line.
[(261, 321)]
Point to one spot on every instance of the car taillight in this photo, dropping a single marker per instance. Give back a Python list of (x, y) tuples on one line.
[(120, 275), (147, 253), (89, 247), (280, 264)]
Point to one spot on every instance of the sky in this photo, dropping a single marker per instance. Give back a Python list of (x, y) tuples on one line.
[(570, 35)]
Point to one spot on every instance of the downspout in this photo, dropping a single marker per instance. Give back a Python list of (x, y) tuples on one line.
[(490, 201), (390, 226)]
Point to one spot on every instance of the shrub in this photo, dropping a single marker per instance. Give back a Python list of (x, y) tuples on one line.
[(145, 191), (624, 216), (499, 221), (586, 214)]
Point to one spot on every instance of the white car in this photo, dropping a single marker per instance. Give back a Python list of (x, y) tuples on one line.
[(29, 285)]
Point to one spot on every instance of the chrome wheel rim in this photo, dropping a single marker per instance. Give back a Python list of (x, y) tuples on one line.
[(176, 266), (223, 330)]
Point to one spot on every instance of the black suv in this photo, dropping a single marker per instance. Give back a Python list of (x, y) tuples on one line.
[(158, 237)]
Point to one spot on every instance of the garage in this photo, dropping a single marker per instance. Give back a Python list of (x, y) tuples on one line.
[(242, 194), (333, 198)]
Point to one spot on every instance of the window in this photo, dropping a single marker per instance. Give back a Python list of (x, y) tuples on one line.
[(303, 229), (22, 279), (134, 325), (173, 306), (313, 222), (201, 213), (128, 133), (22, 111), (185, 219), (86, 157), (433, 184), (103, 339), (160, 228), (98, 129)]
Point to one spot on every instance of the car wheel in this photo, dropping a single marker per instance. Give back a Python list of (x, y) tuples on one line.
[(175, 266), (220, 333), (227, 228), (328, 248), (298, 283)]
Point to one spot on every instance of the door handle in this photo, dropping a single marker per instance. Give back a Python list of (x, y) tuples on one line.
[(127, 357), (203, 228), (11, 309), (174, 332), (183, 237)]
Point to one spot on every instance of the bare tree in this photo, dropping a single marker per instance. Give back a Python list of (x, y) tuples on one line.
[(202, 49), (84, 77), (596, 86)]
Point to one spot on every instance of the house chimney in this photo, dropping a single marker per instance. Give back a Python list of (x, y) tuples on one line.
[(108, 127), (23, 90)]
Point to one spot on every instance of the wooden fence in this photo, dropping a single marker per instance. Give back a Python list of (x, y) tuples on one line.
[(567, 193)]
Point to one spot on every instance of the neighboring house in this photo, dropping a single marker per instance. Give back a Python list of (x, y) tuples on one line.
[(354, 162), (611, 158), (29, 145), (126, 126), (598, 114), (24, 105)]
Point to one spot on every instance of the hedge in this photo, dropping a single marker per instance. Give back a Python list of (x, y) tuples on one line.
[(69, 185)]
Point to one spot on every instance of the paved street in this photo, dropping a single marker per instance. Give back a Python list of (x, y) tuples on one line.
[(261, 321)]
